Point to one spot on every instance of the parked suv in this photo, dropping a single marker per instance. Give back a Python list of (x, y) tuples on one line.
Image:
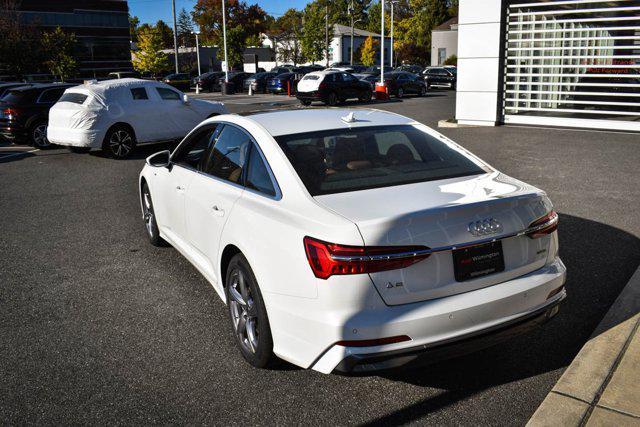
[(440, 76), (258, 82), (24, 112), (180, 81), (332, 87), (400, 83)]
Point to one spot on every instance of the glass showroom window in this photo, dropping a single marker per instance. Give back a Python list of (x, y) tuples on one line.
[(573, 59)]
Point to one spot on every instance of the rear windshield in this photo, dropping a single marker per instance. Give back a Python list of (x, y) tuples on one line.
[(340, 160), (76, 98), (16, 97), (310, 77)]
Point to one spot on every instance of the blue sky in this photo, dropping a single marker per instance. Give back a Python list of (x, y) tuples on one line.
[(152, 10)]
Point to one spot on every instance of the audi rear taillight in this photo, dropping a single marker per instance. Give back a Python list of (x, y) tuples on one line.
[(543, 226), (322, 85), (328, 259)]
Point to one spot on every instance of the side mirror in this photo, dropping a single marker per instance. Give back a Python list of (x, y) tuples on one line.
[(160, 160), (185, 99)]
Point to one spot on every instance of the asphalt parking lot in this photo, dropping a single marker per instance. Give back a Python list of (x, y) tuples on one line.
[(98, 326)]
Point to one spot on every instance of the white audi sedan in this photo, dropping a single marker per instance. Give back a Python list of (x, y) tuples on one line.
[(354, 240)]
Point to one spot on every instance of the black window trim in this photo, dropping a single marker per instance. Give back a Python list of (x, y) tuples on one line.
[(241, 185)]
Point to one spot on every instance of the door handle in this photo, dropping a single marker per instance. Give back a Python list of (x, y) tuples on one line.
[(217, 210)]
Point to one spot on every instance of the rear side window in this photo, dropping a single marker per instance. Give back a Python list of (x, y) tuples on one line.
[(258, 177), (168, 94), (14, 97), (227, 157), (75, 98), (139, 93), (309, 77), (50, 96), (340, 160)]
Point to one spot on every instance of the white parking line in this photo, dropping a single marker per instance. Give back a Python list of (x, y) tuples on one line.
[(18, 154)]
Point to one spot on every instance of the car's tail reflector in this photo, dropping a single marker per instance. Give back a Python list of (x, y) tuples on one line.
[(378, 341), (328, 259), (543, 226), (10, 113)]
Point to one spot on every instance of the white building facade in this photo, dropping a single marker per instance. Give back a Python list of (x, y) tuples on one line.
[(444, 41), (572, 63)]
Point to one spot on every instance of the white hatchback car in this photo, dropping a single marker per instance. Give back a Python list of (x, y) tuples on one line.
[(117, 115), (354, 240)]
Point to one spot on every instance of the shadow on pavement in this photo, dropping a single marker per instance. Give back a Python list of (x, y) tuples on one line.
[(600, 259)]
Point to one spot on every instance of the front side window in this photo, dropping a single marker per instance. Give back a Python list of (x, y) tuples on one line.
[(168, 94), (139, 93), (340, 160), (227, 157), (192, 153)]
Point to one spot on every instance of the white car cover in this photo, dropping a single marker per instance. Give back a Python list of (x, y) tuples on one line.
[(155, 111)]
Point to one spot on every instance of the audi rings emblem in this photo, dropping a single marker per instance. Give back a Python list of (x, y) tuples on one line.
[(484, 227)]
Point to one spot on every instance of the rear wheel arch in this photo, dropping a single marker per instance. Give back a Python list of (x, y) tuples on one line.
[(229, 252)]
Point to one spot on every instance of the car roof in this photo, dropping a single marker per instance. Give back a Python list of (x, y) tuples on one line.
[(41, 86), (287, 122)]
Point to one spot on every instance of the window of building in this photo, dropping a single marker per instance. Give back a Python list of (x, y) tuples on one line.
[(442, 55)]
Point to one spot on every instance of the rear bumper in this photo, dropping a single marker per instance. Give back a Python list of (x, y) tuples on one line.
[(309, 96), (75, 137), (305, 331), (12, 131), (446, 349)]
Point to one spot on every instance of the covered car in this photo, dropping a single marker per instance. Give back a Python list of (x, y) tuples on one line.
[(117, 115)]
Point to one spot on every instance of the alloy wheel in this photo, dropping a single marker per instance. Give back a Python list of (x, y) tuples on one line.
[(400, 93), (244, 313), (120, 143), (39, 135), (149, 218)]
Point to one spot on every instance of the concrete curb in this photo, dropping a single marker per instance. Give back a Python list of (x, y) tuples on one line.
[(581, 394)]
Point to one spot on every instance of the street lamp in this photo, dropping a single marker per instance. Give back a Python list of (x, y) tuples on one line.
[(350, 11), (382, 43), (391, 51), (197, 50), (224, 37)]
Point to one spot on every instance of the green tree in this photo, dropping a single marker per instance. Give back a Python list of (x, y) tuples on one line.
[(289, 36), (20, 46), (185, 28), (166, 34), (134, 22), (412, 40), (452, 60), (313, 37), (149, 56), (59, 47), (244, 25), (368, 51)]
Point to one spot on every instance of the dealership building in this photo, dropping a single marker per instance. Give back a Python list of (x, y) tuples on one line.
[(570, 63)]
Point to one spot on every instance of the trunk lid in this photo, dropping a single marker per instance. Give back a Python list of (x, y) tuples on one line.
[(437, 214), (73, 115)]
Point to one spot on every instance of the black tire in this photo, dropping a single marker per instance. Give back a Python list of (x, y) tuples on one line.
[(150, 220), (119, 142), (332, 99), (305, 102), (80, 150), (399, 92), (365, 96), (38, 135), (241, 286)]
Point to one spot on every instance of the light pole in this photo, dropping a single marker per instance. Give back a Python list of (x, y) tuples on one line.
[(224, 37), (326, 30), (175, 35), (351, 10), (352, 24), (391, 49), (197, 50), (382, 42)]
